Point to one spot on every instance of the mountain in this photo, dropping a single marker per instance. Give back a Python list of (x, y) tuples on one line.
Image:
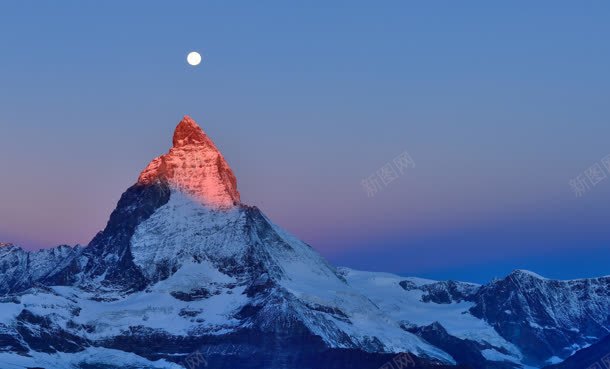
[(184, 270), (523, 318), (547, 319), (20, 269), (182, 266)]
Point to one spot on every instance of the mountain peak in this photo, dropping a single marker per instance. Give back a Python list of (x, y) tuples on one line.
[(188, 132), (522, 273), (195, 167)]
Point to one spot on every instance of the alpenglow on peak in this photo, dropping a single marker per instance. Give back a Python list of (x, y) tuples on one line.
[(195, 167)]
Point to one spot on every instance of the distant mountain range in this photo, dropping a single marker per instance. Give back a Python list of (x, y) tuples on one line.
[(185, 275)]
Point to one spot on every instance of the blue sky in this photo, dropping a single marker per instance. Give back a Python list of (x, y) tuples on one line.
[(499, 105)]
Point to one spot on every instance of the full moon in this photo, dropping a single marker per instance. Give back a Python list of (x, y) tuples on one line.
[(193, 58)]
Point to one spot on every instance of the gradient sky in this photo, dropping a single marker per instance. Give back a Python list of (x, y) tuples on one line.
[(499, 105)]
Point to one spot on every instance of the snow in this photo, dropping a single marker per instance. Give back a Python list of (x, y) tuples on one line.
[(407, 306), (10, 311), (534, 325), (562, 305), (183, 230), (158, 309), (530, 274), (91, 355), (493, 355), (554, 360), (223, 251)]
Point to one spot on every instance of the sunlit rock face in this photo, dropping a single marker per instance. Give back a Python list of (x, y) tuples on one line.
[(195, 167)]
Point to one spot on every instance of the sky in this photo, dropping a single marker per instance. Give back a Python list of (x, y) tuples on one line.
[(499, 106)]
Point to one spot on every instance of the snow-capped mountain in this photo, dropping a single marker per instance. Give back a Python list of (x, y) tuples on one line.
[(547, 319), (21, 269), (184, 267), (524, 318)]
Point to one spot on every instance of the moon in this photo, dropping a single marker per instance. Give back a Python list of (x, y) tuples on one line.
[(193, 58)]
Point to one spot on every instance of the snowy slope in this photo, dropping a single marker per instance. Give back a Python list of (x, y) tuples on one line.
[(523, 318), (408, 300), (242, 243), (90, 356), (204, 268)]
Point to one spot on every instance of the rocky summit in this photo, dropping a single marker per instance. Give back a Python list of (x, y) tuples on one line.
[(196, 167)]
